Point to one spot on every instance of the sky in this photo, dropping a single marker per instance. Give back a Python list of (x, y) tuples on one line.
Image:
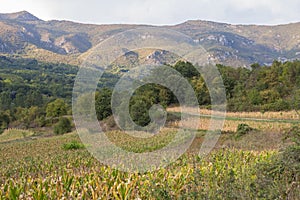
[(160, 12)]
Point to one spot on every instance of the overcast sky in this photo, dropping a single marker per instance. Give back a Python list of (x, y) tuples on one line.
[(160, 11)]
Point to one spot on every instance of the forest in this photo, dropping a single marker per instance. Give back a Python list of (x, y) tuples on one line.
[(36, 94)]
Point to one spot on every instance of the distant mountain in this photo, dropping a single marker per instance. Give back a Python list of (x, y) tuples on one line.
[(20, 16), (24, 34)]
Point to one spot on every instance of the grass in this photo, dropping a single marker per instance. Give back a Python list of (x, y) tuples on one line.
[(15, 134), (269, 121), (288, 115)]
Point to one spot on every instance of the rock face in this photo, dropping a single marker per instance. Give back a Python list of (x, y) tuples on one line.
[(235, 45)]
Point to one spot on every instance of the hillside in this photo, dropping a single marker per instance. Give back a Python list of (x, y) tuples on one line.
[(64, 41)]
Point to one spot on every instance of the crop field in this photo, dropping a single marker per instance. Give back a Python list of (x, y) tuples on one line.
[(42, 169), (59, 167)]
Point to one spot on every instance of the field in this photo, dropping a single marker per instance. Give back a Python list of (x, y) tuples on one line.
[(268, 121), (59, 167)]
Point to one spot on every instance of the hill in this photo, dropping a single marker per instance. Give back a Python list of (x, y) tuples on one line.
[(65, 41)]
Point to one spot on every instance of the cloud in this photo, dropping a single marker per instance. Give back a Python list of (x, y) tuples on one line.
[(160, 12)]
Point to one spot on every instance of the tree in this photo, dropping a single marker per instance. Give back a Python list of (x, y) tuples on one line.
[(186, 69), (139, 110), (27, 116), (56, 108), (63, 126), (254, 97), (103, 103), (201, 91), (295, 102), (4, 121), (5, 101)]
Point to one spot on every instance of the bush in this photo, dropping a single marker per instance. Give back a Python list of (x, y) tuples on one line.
[(280, 177), (63, 126), (56, 108), (73, 145), (4, 121), (139, 111), (243, 129), (103, 103)]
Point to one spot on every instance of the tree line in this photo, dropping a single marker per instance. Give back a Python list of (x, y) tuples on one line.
[(36, 94)]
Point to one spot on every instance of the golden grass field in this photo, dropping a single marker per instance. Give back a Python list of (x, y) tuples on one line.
[(269, 121), (293, 115)]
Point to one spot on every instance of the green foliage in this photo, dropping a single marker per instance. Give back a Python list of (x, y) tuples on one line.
[(73, 145), (28, 117), (280, 176), (139, 110), (186, 69), (254, 97), (63, 126), (103, 103), (243, 129), (26, 84), (56, 108), (4, 121)]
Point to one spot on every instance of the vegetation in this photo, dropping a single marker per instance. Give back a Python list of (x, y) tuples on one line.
[(37, 97), (4, 121), (243, 129), (15, 134), (41, 169), (57, 108), (103, 103), (32, 92), (282, 170), (63, 126), (73, 145)]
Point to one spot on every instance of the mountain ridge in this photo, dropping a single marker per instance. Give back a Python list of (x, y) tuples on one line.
[(238, 45), (21, 15)]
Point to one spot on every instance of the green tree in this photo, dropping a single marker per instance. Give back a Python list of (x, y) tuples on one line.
[(5, 101), (27, 116), (56, 108), (254, 97), (186, 69), (63, 126), (4, 121), (139, 110), (103, 103)]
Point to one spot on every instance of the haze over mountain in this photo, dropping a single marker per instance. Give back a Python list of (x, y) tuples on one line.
[(26, 35)]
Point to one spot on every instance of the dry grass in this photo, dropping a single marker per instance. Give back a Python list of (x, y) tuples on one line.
[(14, 134), (231, 125), (258, 115), (254, 119)]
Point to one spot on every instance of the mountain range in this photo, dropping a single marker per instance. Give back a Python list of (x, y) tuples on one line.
[(25, 35)]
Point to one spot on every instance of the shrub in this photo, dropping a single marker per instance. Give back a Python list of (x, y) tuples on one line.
[(73, 145), (280, 177), (4, 121), (56, 108), (243, 129), (139, 111), (111, 123), (103, 103), (63, 126)]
